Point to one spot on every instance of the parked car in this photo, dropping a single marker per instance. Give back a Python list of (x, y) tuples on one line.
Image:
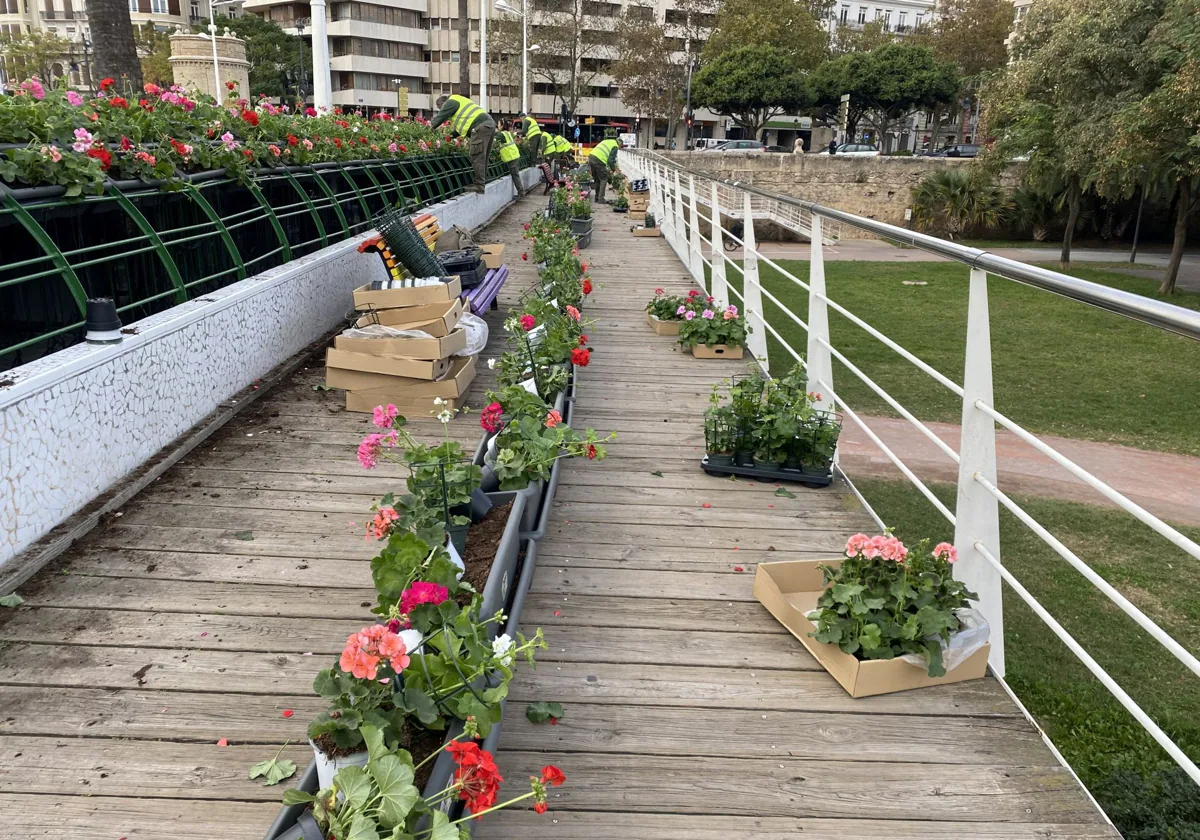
[(959, 150), (787, 150), (854, 150), (740, 146), (701, 144)]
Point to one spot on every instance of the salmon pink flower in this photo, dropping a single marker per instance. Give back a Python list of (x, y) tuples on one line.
[(947, 551), (553, 419), (573, 313), (379, 526)]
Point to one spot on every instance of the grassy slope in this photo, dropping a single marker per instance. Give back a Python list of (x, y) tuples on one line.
[(1060, 367), (1117, 760)]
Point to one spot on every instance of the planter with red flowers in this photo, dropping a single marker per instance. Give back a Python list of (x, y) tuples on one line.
[(713, 333)]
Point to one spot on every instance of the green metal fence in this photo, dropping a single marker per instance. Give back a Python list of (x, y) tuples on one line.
[(150, 248)]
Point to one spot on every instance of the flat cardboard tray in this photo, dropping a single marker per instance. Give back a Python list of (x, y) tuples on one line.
[(789, 589), (380, 389), (409, 348), (437, 319), (366, 298), (391, 365)]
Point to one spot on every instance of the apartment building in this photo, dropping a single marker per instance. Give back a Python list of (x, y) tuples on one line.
[(899, 16)]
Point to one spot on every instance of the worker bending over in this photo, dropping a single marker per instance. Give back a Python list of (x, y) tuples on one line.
[(602, 159), (511, 155), (470, 121), (534, 137)]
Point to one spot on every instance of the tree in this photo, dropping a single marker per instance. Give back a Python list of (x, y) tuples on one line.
[(276, 58), (155, 49), (793, 28), (751, 85), (886, 84), (1158, 134), (115, 50), (464, 48), (33, 54), (848, 39), (955, 201), (1076, 64), (651, 79)]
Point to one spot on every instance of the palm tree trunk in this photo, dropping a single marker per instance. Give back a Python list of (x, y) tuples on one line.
[(114, 51), (464, 49), (1073, 196), (1182, 213)]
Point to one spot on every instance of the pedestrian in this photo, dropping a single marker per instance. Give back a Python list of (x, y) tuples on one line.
[(511, 156), (602, 159), (833, 147), (470, 121), (798, 146)]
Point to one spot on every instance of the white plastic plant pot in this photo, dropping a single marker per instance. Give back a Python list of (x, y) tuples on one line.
[(328, 767), (971, 636), (455, 557)]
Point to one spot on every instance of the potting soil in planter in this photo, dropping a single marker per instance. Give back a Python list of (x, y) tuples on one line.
[(483, 541)]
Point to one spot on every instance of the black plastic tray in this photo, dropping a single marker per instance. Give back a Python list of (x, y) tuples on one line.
[(806, 477)]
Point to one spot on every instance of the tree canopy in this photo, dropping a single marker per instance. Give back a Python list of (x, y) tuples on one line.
[(652, 81), (32, 54), (751, 85), (275, 56), (789, 27), (969, 33)]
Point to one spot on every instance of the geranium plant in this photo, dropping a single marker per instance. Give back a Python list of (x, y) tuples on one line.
[(712, 327), (885, 600), (667, 307)]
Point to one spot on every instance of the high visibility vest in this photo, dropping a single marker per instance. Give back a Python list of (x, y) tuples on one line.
[(558, 145), (508, 147), (603, 149), (465, 116), (532, 129)]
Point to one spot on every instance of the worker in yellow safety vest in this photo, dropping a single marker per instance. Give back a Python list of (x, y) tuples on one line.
[(511, 155), (559, 153), (602, 159), (470, 121), (534, 137)]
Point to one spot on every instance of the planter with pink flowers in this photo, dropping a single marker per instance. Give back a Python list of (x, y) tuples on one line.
[(713, 332)]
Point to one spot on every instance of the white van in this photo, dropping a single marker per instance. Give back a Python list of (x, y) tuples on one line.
[(701, 144)]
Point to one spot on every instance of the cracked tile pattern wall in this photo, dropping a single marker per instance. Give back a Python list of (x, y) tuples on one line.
[(78, 421)]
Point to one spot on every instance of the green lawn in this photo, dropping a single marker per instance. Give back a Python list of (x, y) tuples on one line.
[(1060, 367), (1142, 790)]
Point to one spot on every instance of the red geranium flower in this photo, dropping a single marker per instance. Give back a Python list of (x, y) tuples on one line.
[(101, 154), (337, 141), (582, 340), (525, 256), (118, 102), (551, 775), (230, 85), (591, 452), (293, 140), (587, 286), (125, 144), (250, 117), (477, 776), (107, 83), (489, 418), (247, 153), (539, 807), (310, 112), (581, 356)]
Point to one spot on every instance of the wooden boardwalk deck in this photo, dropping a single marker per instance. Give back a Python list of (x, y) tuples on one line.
[(204, 611)]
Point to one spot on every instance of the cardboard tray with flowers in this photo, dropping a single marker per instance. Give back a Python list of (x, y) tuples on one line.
[(882, 618)]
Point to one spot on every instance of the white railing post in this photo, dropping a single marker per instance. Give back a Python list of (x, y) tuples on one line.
[(719, 289), (756, 341), (977, 517), (655, 205), (817, 358), (695, 256), (680, 231)]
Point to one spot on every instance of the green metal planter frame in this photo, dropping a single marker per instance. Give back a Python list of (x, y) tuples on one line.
[(151, 248)]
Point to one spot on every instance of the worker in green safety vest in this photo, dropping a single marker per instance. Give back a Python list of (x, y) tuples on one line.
[(559, 153), (534, 137), (472, 122), (511, 155), (602, 159)]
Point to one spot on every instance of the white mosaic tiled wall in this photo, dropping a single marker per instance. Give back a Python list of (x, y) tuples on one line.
[(76, 422)]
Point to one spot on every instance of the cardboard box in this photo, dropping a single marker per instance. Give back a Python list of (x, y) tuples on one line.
[(437, 319), (366, 298), (493, 255), (391, 365), (637, 217), (662, 327), (716, 351), (385, 388), (365, 401), (639, 200), (790, 589), (408, 348), (645, 231)]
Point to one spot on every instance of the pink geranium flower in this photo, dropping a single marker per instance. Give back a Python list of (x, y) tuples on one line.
[(707, 314), (527, 322), (573, 312), (422, 592), (946, 550), (74, 98), (382, 416), (689, 316), (553, 419)]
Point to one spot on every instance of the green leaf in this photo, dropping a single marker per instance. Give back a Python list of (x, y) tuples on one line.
[(783, 492), (297, 797), (541, 712), (244, 535), (442, 830), (362, 828), (373, 736), (321, 388), (13, 600), (397, 796), (273, 770), (871, 637), (355, 785), (657, 473), (422, 705)]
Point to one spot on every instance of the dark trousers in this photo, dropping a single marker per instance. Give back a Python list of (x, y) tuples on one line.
[(514, 169), (479, 146), (599, 177)]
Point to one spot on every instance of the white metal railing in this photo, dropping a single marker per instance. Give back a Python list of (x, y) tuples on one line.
[(976, 514)]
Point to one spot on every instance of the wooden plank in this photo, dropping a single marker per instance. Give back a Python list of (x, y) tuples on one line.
[(729, 733), (724, 649), (218, 541), (636, 583), (806, 788), (562, 823), (140, 714), (605, 612), (322, 574), (831, 540), (160, 769), (79, 817), (742, 688), (697, 516)]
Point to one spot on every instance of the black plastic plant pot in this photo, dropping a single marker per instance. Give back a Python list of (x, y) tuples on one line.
[(581, 226), (583, 241), (718, 460), (806, 476), (743, 459), (458, 537)]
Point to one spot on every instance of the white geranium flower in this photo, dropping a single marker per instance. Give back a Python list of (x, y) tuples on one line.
[(446, 416), (502, 649), (438, 401), (491, 364)]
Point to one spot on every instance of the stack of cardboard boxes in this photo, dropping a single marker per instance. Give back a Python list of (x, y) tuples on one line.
[(638, 203), (409, 371)]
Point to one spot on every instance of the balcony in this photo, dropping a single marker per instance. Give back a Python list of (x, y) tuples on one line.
[(59, 14)]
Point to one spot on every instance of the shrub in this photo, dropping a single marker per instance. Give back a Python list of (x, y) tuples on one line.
[(955, 201)]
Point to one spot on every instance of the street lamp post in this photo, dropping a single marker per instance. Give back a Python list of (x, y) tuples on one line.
[(322, 84), (212, 33), (526, 49)]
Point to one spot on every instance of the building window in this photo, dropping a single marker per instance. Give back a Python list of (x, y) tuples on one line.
[(920, 20), (844, 15), (887, 20), (902, 21), (862, 15), (454, 57), (158, 7), (133, 5)]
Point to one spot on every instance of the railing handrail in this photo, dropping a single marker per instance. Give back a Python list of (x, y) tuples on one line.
[(1157, 313)]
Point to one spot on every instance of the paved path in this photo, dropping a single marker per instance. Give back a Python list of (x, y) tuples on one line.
[(1166, 484), (690, 714)]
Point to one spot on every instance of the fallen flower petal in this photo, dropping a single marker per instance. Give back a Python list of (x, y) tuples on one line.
[(223, 742), (287, 713)]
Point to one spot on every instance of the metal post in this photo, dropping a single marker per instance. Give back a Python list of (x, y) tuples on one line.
[(720, 289), (525, 57), (483, 74), (820, 365), (322, 83), (756, 341), (212, 33), (680, 240), (696, 256), (1137, 226), (977, 511)]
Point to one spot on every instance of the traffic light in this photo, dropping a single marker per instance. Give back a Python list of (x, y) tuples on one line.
[(690, 118)]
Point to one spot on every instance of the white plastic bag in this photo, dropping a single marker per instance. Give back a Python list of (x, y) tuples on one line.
[(380, 331), (971, 636), (477, 334)]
